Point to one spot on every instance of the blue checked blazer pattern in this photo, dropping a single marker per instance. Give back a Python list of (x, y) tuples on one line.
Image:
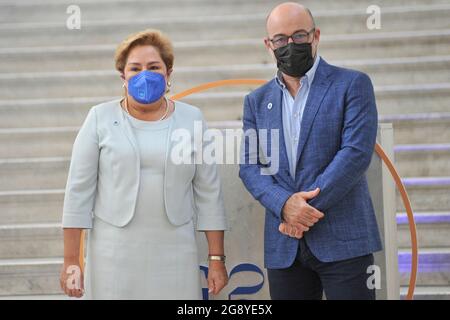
[(337, 139)]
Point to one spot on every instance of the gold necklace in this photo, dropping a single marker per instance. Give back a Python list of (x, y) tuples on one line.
[(162, 118)]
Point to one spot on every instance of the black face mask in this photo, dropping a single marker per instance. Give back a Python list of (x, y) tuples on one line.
[(294, 59)]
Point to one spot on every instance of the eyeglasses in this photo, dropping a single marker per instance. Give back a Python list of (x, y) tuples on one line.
[(298, 37)]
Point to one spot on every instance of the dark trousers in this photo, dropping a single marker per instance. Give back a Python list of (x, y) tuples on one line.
[(308, 278)]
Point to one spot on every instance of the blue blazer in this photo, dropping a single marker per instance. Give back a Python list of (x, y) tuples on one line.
[(337, 140)]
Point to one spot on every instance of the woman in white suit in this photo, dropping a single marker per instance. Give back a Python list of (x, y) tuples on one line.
[(140, 205)]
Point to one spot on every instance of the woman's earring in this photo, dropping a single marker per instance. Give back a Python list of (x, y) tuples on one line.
[(168, 86)]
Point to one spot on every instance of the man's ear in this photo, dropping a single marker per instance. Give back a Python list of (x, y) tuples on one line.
[(267, 43), (317, 36), (268, 47), (316, 42)]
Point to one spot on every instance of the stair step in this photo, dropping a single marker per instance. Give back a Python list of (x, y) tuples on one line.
[(33, 173), (31, 241), (36, 206), (38, 142), (71, 112), (433, 268), (59, 69), (211, 27), (44, 142), (409, 128), (427, 193), (96, 56), (40, 240), (55, 11), (40, 276), (30, 276), (107, 82), (428, 292), (414, 160), (433, 229), (51, 173), (426, 131)]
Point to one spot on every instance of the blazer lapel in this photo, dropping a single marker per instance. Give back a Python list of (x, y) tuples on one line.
[(273, 109), (318, 90), (126, 128), (169, 168)]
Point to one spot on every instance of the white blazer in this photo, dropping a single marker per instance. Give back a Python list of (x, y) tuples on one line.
[(104, 173)]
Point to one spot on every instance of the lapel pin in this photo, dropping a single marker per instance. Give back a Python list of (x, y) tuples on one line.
[(269, 106)]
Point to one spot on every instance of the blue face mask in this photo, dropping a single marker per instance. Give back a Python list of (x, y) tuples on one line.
[(147, 87)]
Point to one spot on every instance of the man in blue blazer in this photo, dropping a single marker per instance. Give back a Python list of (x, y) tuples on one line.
[(320, 226)]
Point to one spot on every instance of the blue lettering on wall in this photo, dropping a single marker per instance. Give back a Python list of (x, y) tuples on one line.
[(248, 290)]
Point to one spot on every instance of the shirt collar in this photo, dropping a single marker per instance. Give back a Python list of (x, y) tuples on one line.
[(309, 75)]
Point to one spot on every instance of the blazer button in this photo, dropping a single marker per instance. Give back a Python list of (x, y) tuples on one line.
[(116, 123), (269, 106)]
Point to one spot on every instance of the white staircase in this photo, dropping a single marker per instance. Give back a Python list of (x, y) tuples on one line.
[(50, 76)]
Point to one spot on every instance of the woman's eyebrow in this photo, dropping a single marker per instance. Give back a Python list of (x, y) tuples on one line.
[(153, 62)]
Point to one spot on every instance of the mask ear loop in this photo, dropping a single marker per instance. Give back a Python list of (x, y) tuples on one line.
[(125, 95), (314, 36), (169, 84)]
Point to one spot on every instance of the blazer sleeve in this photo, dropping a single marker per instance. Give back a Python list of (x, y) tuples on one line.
[(263, 188), (81, 184), (357, 146), (207, 192)]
